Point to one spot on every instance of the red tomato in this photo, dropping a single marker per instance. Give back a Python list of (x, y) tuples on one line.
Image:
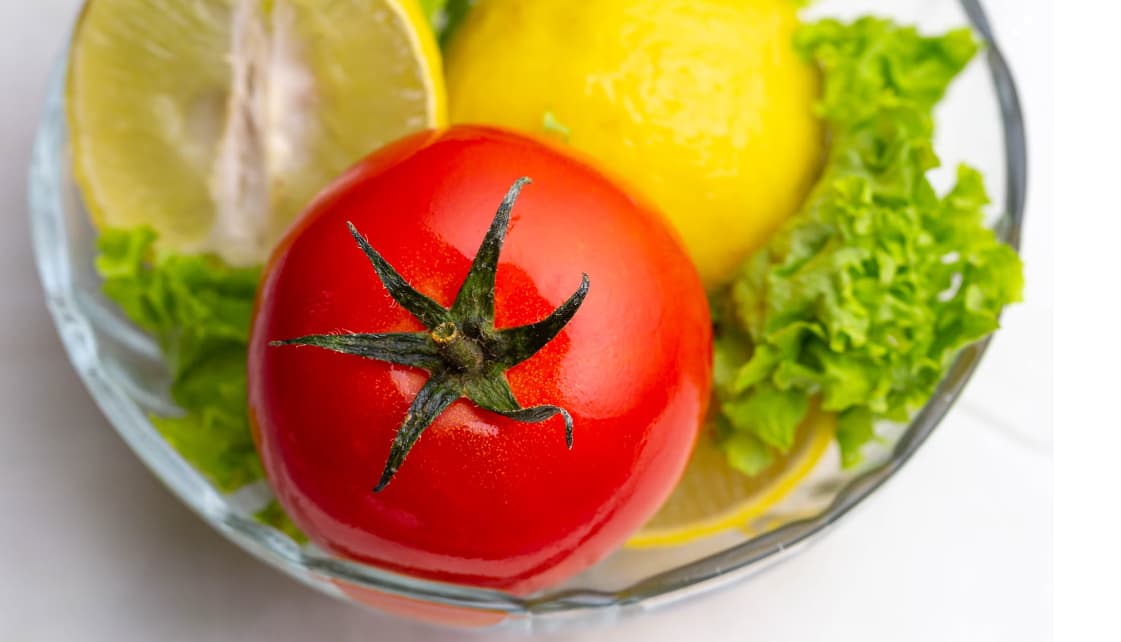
[(480, 498)]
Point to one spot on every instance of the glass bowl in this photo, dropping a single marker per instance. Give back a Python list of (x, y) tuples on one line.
[(121, 366)]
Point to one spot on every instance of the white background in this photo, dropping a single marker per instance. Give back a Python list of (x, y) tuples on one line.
[(957, 547)]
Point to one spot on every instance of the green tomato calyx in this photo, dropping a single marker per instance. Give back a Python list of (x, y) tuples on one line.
[(464, 354)]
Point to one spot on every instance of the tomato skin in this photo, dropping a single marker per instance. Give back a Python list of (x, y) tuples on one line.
[(481, 499)]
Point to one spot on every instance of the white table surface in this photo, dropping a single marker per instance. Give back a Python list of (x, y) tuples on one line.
[(957, 547)]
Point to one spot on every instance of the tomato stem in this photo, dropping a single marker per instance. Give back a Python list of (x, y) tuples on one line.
[(461, 352), (464, 354)]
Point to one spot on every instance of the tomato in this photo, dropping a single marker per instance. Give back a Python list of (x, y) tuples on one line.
[(488, 497)]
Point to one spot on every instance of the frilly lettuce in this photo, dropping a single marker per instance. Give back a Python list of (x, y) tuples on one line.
[(199, 311), (865, 296)]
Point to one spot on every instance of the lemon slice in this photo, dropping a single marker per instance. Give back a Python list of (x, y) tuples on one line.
[(713, 497), (216, 121)]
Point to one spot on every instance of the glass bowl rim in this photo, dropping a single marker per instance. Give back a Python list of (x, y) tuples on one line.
[(690, 579)]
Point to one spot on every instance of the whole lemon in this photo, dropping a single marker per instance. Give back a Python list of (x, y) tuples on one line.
[(703, 106)]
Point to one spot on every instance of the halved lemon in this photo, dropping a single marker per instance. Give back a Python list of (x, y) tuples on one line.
[(216, 121), (713, 497)]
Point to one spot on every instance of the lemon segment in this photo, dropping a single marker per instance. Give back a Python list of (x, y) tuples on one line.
[(712, 497), (216, 121), (146, 106), (356, 109)]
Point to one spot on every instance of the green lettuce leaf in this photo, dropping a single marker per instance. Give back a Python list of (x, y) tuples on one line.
[(746, 452), (445, 16), (865, 296), (199, 311), (273, 515)]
